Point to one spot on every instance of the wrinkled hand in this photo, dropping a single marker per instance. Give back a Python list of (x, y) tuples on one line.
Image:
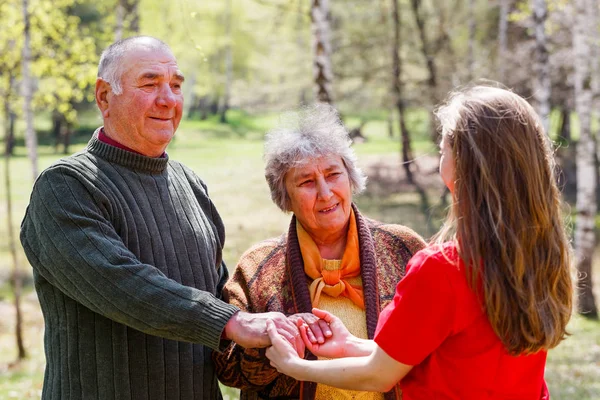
[(282, 354), (318, 330), (335, 346), (250, 330)]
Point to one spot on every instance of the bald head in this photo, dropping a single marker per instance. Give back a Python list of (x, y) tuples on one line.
[(110, 68)]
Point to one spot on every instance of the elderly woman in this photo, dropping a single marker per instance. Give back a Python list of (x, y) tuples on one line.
[(332, 257)]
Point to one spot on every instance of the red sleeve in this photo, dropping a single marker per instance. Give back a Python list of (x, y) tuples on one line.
[(421, 316)]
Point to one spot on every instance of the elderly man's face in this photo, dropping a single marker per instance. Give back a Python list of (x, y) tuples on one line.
[(321, 196), (145, 116)]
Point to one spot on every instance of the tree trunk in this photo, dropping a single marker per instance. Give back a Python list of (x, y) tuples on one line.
[(542, 85), (502, 28), (10, 116), (322, 70), (120, 20), (406, 145), (565, 124), (471, 54), (27, 87), (16, 276), (127, 18), (228, 62), (431, 67), (585, 238)]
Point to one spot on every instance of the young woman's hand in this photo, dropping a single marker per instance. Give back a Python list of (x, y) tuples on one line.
[(340, 344), (282, 354)]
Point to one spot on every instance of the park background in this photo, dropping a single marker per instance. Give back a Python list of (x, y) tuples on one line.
[(384, 64)]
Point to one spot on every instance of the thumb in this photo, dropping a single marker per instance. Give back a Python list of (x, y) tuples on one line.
[(324, 315), (271, 330)]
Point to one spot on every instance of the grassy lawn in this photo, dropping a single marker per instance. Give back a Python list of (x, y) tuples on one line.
[(229, 159)]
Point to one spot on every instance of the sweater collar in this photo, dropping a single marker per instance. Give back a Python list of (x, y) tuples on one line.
[(126, 158)]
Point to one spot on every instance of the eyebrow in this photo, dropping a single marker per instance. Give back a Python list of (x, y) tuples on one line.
[(153, 75), (329, 168)]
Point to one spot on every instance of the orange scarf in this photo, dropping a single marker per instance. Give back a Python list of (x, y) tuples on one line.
[(332, 281)]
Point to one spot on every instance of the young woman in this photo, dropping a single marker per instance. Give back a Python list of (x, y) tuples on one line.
[(478, 309)]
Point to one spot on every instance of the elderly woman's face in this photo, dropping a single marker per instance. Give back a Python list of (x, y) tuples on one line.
[(320, 195)]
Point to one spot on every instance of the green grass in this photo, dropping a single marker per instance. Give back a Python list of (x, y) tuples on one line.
[(229, 159)]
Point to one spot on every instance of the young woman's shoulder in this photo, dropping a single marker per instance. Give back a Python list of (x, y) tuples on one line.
[(437, 256)]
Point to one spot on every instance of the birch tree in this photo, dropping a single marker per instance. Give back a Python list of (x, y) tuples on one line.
[(471, 44), (585, 238), (542, 85), (502, 29), (16, 280), (322, 69), (397, 89), (27, 90), (127, 18)]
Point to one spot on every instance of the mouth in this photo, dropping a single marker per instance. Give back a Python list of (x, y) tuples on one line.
[(329, 209), (160, 119)]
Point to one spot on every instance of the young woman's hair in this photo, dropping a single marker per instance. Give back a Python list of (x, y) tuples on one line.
[(506, 216)]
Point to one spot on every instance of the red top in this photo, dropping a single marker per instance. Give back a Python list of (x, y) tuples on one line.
[(437, 324)]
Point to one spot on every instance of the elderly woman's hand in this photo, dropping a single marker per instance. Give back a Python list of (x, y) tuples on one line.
[(318, 329), (340, 344)]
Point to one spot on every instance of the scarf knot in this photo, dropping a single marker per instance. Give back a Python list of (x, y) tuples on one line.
[(330, 276)]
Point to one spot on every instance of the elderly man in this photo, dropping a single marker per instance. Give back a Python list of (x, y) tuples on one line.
[(126, 250)]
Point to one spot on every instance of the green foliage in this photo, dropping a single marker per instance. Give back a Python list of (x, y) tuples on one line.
[(63, 54)]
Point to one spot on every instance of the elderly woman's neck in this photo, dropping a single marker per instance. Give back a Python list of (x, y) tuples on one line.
[(331, 248)]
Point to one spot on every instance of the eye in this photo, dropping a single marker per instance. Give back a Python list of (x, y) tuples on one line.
[(306, 182)]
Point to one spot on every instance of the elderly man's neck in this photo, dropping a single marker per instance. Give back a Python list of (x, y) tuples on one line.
[(105, 137)]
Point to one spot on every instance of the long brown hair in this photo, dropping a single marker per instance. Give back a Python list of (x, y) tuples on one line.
[(506, 216)]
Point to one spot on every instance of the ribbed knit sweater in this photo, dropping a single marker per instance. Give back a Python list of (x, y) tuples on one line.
[(126, 256)]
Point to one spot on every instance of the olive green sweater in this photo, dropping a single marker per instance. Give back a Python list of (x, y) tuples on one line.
[(126, 256)]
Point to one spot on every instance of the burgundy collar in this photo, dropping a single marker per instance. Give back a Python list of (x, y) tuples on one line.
[(105, 139)]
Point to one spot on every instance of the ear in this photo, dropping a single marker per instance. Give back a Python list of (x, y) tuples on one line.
[(102, 91)]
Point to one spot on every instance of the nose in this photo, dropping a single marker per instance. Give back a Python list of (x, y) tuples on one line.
[(166, 97), (323, 190)]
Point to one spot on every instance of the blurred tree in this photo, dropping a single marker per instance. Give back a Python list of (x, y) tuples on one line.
[(502, 29), (585, 238), (322, 75), (27, 90), (542, 84), (60, 57), (127, 18), (16, 275)]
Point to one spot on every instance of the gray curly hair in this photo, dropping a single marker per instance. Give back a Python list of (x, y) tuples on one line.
[(312, 131)]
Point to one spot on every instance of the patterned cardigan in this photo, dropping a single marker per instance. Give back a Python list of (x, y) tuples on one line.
[(270, 277)]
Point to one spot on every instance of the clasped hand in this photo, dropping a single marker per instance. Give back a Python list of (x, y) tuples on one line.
[(250, 330), (283, 354)]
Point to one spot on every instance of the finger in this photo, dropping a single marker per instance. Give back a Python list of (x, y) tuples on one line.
[(299, 346), (317, 332), (277, 340), (310, 345), (310, 336), (324, 315), (325, 328), (271, 330), (287, 336)]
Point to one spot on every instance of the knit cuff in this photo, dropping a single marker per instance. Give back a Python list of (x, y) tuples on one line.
[(213, 319)]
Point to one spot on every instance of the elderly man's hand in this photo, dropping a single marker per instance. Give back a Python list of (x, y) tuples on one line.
[(250, 330), (318, 329)]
